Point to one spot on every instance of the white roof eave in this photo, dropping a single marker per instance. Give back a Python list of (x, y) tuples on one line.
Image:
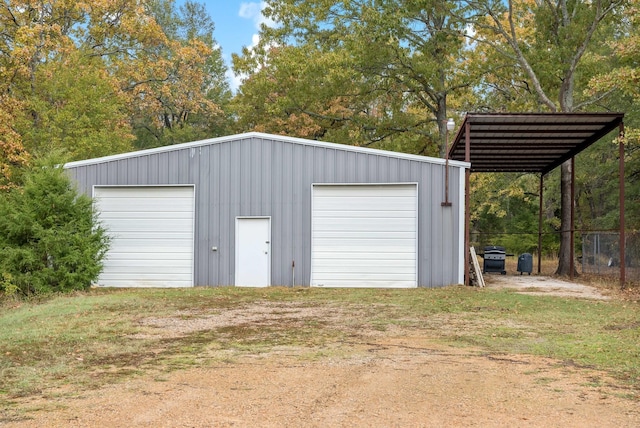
[(294, 140)]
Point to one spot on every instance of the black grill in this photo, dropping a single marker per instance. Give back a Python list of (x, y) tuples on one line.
[(494, 258)]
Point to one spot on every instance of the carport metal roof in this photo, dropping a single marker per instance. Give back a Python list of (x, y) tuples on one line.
[(528, 142), (533, 143)]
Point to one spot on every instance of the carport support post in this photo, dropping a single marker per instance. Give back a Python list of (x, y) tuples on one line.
[(467, 213), (540, 223), (572, 226), (621, 179)]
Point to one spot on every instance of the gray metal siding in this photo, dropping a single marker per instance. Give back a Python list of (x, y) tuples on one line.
[(265, 176)]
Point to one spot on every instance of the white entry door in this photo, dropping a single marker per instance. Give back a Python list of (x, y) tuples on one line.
[(253, 251)]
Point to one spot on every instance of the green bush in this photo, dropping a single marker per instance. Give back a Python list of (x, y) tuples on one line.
[(50, 240)]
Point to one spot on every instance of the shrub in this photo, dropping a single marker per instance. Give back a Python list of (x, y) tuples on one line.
[(50, 240)]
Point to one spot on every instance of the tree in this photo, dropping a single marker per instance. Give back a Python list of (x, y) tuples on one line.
[(626, 78), (178, 89), (50, 240), (79, 110), (506, 212), (555, 47), (13, 155), (376, 70), (60, 92), (309, 93), (89, 76)]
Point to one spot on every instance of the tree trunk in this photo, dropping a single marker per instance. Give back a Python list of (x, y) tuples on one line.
[(564, 262), (441, 118)]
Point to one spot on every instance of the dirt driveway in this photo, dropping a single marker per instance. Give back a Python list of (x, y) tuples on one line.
[(391, 378)]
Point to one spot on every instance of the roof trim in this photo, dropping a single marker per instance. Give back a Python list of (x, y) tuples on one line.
[(529, 142), (261, 135)]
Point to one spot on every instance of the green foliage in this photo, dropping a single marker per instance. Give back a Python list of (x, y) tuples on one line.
[(190, 101), (551, 56), (95, 78), (506, 213), (540, 55), (357, 72), (75, 108), (383, 74), (49, 237)]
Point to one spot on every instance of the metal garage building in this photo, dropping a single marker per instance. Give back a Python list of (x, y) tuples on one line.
[(258, 210)]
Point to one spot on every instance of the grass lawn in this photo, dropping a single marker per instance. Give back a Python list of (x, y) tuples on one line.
[(85, 340)]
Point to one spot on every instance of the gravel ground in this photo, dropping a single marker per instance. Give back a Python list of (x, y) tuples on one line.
[(544, 285), (391, 382)]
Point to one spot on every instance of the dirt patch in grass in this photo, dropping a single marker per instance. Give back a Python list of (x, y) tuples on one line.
[(545, 286), (362, 373), (264, 313)]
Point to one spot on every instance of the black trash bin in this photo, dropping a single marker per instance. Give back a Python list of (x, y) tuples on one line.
[(494, 258), (525, 263)]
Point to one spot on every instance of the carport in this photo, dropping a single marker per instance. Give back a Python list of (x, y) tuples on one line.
[(534, 143)]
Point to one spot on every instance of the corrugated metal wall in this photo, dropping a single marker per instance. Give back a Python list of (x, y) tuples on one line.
[(261, 175)]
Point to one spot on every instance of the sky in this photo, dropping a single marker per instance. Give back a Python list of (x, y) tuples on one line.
[(237, 23)]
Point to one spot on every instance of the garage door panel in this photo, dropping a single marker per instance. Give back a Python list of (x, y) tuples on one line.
[(357, 265), (146, 277), (364, 263), (364, 277), (122, 263), (364, 272), (373, 225), (152, 237), (115, 192), (360, 201), (153, 283), (146, 215), (122, 225), (358, 214), (356, 228), (148, 280), (128, 204), (339, 244), (159, 256), (368, 190), (346, 250), (358, 283), (331, 255), (363, 204), (154, 201), (162, 271), (365, 234), (149, 246)]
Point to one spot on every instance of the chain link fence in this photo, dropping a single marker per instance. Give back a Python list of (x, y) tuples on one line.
[(597, 252), (601, 254)]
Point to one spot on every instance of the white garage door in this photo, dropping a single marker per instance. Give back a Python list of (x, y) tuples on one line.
[(151, 231), (364, 236)]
